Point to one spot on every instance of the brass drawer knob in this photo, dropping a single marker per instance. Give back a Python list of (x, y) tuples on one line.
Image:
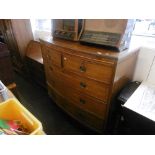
[(82, 101), (83, 85), (82, 69)]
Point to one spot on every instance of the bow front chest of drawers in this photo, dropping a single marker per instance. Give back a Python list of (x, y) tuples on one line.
[(83, 80)]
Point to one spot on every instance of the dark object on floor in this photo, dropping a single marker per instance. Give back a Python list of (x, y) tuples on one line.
[(127, 91), (6, 70), (123, 96), (34, 63), (138, 111)]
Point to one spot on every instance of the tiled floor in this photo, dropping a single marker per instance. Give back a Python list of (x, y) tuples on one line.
[(54, 120)]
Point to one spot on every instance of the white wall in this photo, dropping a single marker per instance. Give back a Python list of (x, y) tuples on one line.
[(41, 34), (151, 77), (145, 67)]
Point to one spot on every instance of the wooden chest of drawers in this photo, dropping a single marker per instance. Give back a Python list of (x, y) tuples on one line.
[(84, 80)]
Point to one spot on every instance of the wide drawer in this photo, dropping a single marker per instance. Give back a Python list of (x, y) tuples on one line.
[(87, 68), (81, 100), (84, 85), (83, 116)]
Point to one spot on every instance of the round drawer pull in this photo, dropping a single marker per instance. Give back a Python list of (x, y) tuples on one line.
[(82, 101), (99, 53), (65, 58), (83, 85), (82, 69)]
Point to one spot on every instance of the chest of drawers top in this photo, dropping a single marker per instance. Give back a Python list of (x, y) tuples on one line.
[(99, 53)]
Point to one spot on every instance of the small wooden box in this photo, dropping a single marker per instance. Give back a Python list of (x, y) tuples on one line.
[(115, 33), (69, 29)]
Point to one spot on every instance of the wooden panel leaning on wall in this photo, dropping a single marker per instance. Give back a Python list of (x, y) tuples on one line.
[(84, 80), (34, 63), (17, 33)]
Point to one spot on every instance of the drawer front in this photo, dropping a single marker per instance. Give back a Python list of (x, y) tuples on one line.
[(81, 100), (54, 57), (51, 57), (83, 116), (91, 69), (86, 86)]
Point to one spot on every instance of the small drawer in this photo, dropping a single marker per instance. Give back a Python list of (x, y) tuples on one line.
[(52, 57), (55, 57), (86, 68)]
